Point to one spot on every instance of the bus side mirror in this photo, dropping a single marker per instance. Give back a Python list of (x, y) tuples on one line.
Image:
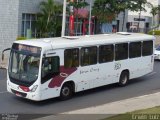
[(4, 51)]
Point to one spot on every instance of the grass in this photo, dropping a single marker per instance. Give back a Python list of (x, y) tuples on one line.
[(146, 114)]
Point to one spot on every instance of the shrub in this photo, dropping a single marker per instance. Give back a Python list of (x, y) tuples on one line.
[(21, 38), (156, 32)]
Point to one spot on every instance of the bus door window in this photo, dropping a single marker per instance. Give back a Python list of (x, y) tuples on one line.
[(50, 68)]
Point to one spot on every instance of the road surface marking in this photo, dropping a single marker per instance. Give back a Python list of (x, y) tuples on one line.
[(3, 92)]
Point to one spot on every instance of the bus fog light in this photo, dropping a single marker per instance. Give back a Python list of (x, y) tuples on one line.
[(34, 88)]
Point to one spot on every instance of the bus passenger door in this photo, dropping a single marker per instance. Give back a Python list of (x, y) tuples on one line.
[(50, 70)]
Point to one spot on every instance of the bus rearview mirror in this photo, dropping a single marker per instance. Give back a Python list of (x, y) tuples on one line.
[(4, 51)]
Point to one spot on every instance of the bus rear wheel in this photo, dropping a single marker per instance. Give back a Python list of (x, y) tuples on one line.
[(124, 78), (66, 92)]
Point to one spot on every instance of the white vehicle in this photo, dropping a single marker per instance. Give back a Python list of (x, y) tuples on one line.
[(157, 53), (58, 67)]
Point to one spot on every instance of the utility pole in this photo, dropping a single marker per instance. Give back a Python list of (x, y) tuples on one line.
[(64, 18), (90, 15)]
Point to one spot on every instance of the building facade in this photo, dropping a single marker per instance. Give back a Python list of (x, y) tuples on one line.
[(146, 21), (18, 16)]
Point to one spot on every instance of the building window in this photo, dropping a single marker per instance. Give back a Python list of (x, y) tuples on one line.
[(135, 49), (71, 58), (28, 22), (106, 53), (88, 56), (147, 48), (121, 51)]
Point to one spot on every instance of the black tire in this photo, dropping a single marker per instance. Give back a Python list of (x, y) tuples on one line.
[(123, 80), (66, 92)]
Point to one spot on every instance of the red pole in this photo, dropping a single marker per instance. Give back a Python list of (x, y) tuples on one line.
[(71, 25), (71, 21)]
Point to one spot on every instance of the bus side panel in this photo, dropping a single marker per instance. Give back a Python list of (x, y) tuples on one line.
[(47, 92), (107, 75), (84, 76), (140, 66), (94, 76)]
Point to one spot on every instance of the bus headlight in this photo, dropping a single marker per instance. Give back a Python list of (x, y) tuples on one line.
[(34, 88)]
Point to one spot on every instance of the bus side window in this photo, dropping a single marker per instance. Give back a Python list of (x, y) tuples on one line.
[(50, 68), (121, 51), (135, 49), (89, 56), (147, 48), (71, 58), (106, 53)]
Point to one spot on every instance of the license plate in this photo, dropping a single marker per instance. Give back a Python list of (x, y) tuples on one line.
[(18, 94)]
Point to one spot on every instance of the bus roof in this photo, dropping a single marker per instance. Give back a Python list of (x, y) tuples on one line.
[(88, 40)]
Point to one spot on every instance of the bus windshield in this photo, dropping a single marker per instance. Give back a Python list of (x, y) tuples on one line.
[(24, 64)]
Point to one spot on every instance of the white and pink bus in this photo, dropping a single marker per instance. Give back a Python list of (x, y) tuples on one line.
[(58, 67)]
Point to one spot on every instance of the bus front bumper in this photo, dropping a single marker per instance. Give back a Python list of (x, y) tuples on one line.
[(16, 90)]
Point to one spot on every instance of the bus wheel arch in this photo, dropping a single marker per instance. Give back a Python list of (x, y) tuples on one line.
[(67, 90), (124, 78)]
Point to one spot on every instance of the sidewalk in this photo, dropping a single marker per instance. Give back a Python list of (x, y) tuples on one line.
[(106, 110)]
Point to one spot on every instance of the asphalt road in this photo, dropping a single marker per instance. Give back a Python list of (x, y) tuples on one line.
[(141, 86)]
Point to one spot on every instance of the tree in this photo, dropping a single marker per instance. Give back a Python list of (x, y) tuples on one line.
[(140, 6), (78, 4), (107, 10), (104, 10), (122, 6), (48, 20), (154, 12)]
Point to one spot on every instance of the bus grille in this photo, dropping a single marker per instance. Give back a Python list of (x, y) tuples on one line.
[(19, 93)]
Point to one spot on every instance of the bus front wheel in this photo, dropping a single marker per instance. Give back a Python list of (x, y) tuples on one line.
[(124, 77), (66, 92)]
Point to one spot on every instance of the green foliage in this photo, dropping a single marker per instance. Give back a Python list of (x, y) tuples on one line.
[(104, 10), (21, 38), (78, 5), (156, 32), (48, 20), (154, 12), (107, 10), (140, 5)]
